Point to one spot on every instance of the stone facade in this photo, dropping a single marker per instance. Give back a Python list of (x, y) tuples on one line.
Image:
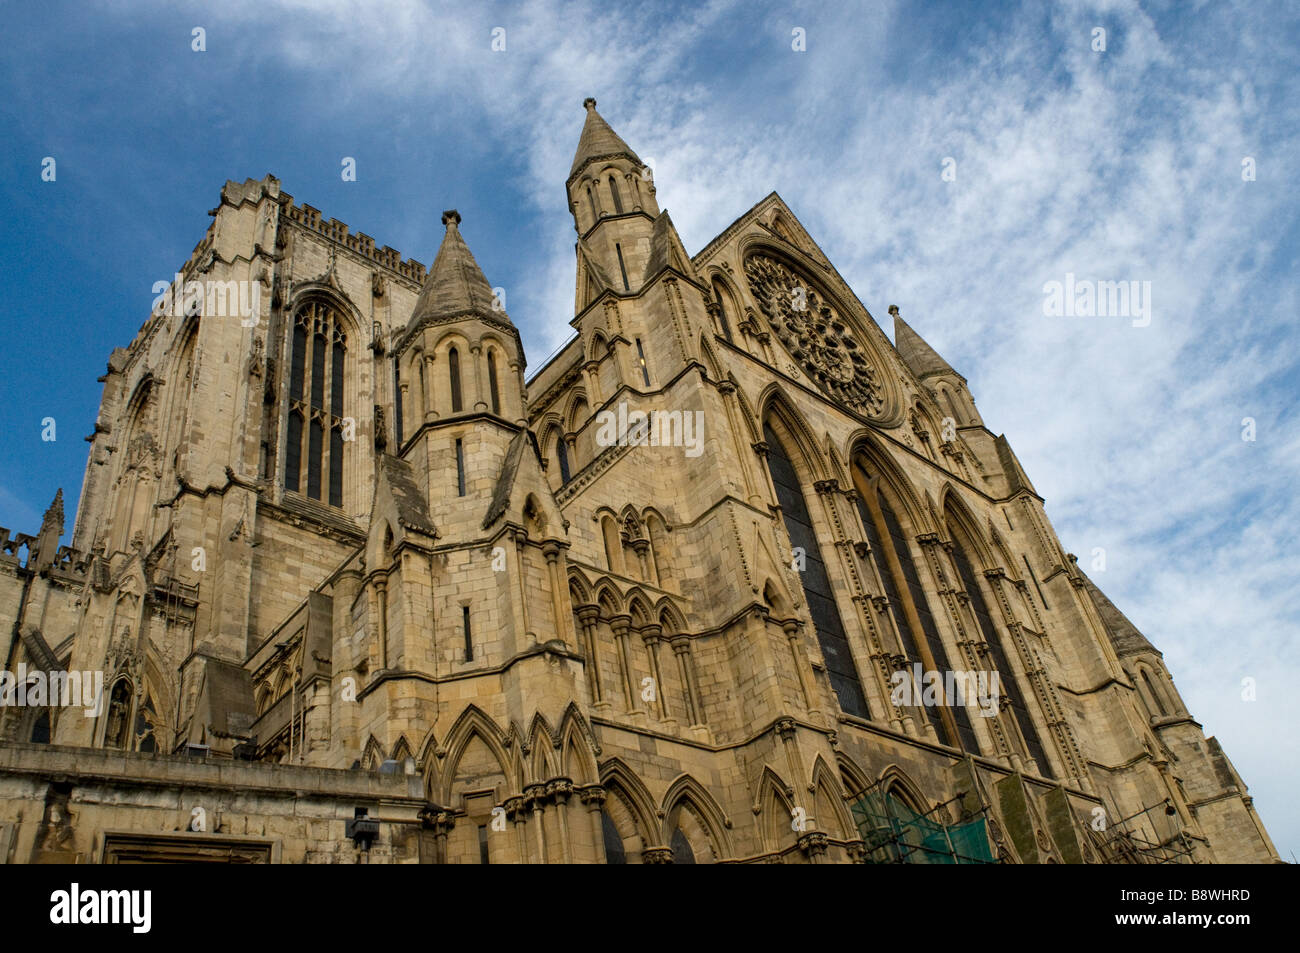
[(360, 592)]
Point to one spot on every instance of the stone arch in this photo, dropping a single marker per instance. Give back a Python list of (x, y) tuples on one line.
[(776, 811), (895, 782), (372, 756), (608, 598), (863, 448), (777, 599), (401, 750), (427, 757), (712, 366), (956, 514), (775, 407), (580, 590), (687, 795), (829, 802), (638, 606), (853, 779), (1151, 688), (663, 564), (670, 617), (475, 732), (623, 788), (578, 747), (541, 742), (753, 424)]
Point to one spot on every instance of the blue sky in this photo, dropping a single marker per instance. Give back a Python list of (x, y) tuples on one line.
[(1117, 165)]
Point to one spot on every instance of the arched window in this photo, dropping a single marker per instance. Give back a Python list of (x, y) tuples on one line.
[(562, 454), (453, 371), (613, 544), (910, 607), (397, 402), (314, 441), (614, 853), (492, 381), (618, 199), (591, 200), (1011, 691), (721, 297), (1155, 696), (817, 586)]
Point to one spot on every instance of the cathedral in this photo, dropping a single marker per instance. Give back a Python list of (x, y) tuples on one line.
[(732, 577)]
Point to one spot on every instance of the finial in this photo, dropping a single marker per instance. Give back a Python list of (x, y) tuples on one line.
[(589, 103), (893, 309), (451, 217)]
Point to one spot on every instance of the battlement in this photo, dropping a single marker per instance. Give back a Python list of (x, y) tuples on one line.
[(21, 550), (361, 243)]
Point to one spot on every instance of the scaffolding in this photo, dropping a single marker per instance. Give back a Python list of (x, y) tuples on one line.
[(895, 834)]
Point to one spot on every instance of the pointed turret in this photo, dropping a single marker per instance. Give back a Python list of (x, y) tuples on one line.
[(609, 181), (47, 540), (598, 141), (460, 353), (455, 285), (948, 387), (921, 359)]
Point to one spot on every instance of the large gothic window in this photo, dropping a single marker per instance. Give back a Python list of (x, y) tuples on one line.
[(909, 605), (314, 446), (1011, 690), (816, 584)]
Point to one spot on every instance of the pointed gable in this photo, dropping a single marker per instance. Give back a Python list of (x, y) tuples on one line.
[(1124, 635), (521, 474), (666, 250), (396, 483)]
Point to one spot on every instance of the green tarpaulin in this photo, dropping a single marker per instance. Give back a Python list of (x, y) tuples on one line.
[(895, 834)]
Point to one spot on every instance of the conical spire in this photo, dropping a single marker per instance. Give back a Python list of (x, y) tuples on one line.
[(455, 284), (598, 140), (921, 359)]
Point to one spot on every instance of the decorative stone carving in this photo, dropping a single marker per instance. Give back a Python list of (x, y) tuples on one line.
[(821, 340)]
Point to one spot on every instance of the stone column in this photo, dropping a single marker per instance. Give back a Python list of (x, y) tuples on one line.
[(426, 398), (521, 540), (650, 635), (517, 811), (695, 711), (800, 659), (587, 616), (620, 624), (535, 797), (593, 797), (381, 597), (559, 791), (551, 550), (476, 359)]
